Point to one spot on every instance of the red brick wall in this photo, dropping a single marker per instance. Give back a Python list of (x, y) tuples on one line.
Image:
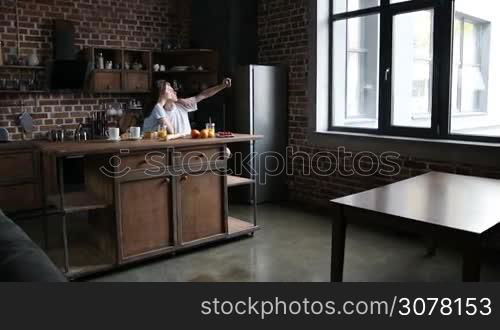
[(283, 39), (126, 23)]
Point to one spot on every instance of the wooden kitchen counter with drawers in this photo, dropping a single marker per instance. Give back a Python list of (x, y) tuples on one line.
[(144, 198)]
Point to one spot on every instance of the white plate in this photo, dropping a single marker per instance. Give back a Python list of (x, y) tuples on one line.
[(113, 140)]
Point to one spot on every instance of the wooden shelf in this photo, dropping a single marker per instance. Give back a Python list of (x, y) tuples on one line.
[(188, 51), (107, 70), (184, 72), (22, 67), (78, 202), (235, 181), (85, 259), (239, 227), (22, 92)]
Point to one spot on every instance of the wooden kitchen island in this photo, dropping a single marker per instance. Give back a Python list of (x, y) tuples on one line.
[(144, 199)]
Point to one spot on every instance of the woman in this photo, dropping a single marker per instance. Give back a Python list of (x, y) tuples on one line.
[(172, 113)]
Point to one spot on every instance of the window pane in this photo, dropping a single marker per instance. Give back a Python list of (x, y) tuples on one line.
[(341, 6), (471, 43), (412, 69), (475, 110), (355, 72)]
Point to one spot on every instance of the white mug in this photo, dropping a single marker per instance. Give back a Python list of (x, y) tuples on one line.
[(113, 133), (135, 132), (163, 68), (156, 67)]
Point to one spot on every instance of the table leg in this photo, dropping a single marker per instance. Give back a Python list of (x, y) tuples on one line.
[(338, 244), (471, 254), (431, 247)]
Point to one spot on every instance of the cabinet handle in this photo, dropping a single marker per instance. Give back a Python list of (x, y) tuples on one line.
[(184, 178), (108, 87), (168, 180)]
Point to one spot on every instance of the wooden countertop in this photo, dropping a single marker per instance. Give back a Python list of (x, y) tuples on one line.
[(16, 145), (69, 149)]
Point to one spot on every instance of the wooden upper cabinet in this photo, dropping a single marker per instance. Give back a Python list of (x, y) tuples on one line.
[(130, 71), (104, 82), (136, 81), (145, 217), (202, 211)]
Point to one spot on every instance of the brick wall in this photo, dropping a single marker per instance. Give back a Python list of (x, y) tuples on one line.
[(283, 39), (126, 23)]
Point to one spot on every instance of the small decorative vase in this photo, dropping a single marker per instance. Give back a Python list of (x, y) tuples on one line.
[(33, 60)]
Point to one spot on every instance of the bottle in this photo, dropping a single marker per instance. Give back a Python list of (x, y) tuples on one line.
[(33, 59), (100, 61)]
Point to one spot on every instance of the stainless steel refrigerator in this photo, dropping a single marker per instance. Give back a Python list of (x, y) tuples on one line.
[(260, 107)]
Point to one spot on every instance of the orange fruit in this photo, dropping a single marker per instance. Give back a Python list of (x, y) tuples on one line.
[(204, 134), (195, 134)]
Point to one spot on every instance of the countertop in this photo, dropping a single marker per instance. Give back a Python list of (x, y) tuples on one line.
[(16, 145), (68, 149)]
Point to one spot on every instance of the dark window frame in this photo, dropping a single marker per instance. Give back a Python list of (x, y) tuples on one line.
[(442, 70)]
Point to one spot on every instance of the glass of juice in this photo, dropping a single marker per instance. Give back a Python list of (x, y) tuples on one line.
[(210, 127), (162, 132)]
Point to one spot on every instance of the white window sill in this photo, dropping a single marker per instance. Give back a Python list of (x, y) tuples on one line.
[(403, 138)]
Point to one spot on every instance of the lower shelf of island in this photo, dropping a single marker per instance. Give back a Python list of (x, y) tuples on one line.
[(236, 181), (86, 258), (77, 202), (237, 227)]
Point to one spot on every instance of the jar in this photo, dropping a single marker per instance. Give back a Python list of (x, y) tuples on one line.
[(210, 127)]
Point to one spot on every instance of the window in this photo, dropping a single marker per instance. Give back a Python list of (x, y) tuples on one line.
[(469, 83), (355, 71), (412, 62), (474, 109), (419, 68)]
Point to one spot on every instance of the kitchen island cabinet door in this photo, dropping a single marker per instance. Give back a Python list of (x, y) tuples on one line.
[(145, 218), (203, 210)]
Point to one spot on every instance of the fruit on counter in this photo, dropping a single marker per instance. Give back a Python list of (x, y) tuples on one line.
[(195, 134), (204, 134), (225, 134), (211, 134)]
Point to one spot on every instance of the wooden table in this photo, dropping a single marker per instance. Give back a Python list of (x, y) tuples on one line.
[(446, 207)]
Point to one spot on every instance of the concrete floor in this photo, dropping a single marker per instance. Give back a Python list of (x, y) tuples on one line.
[(294, 246)]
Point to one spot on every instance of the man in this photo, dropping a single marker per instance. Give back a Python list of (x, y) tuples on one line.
[(172, 113)]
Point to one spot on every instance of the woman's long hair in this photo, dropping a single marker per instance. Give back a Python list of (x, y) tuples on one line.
[(154, 96)]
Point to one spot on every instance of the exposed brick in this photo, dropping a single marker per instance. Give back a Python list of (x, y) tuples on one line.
[(97, 23)]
